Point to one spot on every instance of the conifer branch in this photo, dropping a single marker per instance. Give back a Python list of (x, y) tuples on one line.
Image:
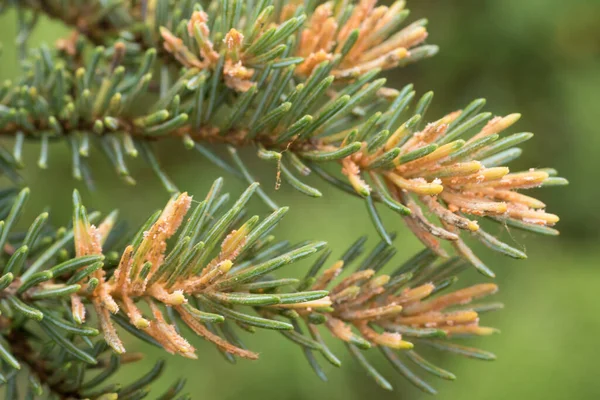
[(299, 84), (215, 273)]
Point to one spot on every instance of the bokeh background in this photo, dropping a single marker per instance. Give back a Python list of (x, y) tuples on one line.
[(537, 57)]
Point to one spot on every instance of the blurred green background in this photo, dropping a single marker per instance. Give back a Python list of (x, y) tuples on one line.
[(537, 57)]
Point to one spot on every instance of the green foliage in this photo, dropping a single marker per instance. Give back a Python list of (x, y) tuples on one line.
[(49, 272), (298, 82)]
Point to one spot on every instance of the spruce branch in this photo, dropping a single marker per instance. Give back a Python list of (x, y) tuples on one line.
[(398, 313), (51, 374), (296, 82), (210, 269)]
